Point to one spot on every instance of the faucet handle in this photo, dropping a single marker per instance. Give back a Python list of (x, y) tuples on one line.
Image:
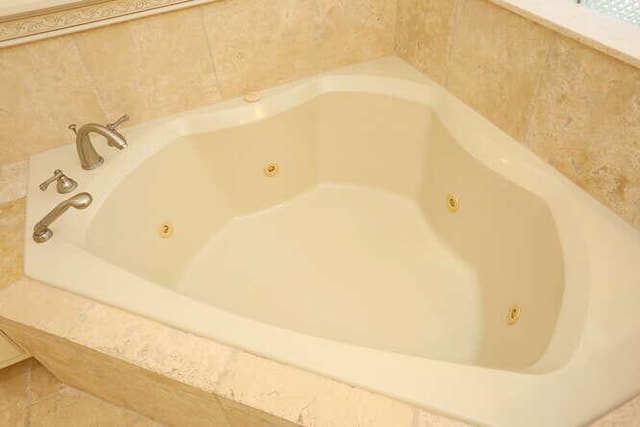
[(114, 125), (64, 183), (73, 127)]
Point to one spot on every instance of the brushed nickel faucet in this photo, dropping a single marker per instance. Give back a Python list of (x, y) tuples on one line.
[(64, 184), (42, 232), (89, 158)]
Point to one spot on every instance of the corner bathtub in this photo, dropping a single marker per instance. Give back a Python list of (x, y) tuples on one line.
[(368, 226)]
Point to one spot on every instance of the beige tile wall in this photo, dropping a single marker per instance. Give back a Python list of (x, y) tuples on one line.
[(159, 65), (575, 107)]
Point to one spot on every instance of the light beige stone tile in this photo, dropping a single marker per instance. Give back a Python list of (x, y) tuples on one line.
[(44, 88), (12, 216), (496, 62), (13, 181), (428, 419), (119, 382), (13, 385), (306, 398), (248, 418), (356, 30), (15, 416), (423, 33), (71, 407), (262, 43), (42, 382), (586, 122), (31, 303), (627, 415), (153, 346), (240, 415), (150, 67)]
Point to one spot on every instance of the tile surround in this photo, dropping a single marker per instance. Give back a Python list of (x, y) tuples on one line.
[(31, 396), (306, 398), (423, 35), (496, 73), (142, 68), (13, 180), (11, 244), (146, 70), (44, 88), (356, 30), (260, 43), (585, 120), (210, 61), (574, 106), (201, 378), (119, 382), (181, 356), (74, 408)]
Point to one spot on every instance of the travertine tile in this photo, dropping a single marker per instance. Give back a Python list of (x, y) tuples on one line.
[(627, 415), (31, 396), (496, 62), (247, 418), (13, 180), (70, 408), (262, 43), (13, 385), (240, 415), (118, 382), (11, 244), (150, 67), (423, 33), (150, 345), (44, 88), (56, 318), (306, 398), (15, 416), (356, 30), (586, 122), (42, 382), (428, 419)]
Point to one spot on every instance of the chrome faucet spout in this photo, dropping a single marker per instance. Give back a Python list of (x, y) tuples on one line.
[(42, 232), (89, 158)]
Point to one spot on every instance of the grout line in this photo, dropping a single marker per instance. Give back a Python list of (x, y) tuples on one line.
[(224, 413), (416, 417), (321, 34), (29, 399), (79, 318), (226, 370), (396, 25), (212, 61), (90, 77), (452, 40), (526, 128)]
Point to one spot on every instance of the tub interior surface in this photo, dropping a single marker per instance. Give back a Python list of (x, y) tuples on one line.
[(352, 239), (346, 263)]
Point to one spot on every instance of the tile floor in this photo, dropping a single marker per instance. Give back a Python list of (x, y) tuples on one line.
[(31, 396)]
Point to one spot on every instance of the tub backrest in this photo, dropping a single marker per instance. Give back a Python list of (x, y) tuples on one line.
[(508, 235)]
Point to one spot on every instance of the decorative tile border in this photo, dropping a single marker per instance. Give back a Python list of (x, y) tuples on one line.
[(29, 27)]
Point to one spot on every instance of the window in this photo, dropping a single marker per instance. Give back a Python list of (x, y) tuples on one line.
[(628, 10)]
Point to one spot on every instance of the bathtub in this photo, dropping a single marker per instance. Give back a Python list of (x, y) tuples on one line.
[(366, 225)]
